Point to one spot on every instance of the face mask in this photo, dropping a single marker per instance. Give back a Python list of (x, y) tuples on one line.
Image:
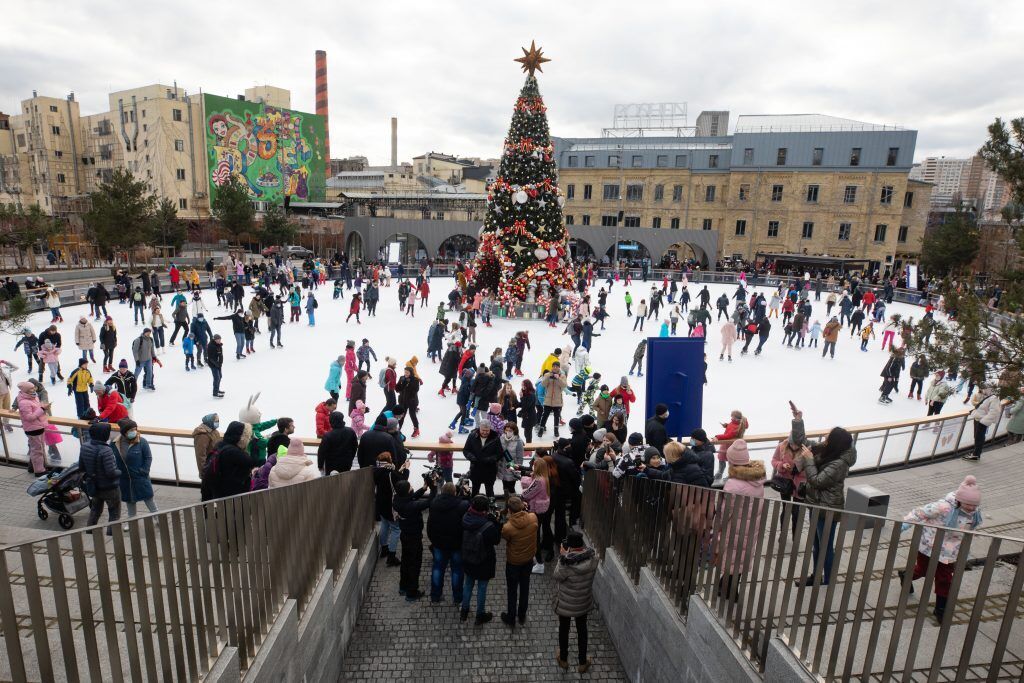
[(131, 434), (666, 415), (216, 424), (693, 443)]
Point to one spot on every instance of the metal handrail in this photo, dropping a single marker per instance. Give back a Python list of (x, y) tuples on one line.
[(747, 557), (169, 591)]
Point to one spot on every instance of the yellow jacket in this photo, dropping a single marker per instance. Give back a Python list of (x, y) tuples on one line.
[(548, 362), (80, 379)]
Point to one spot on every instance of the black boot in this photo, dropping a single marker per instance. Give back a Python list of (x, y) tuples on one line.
[(384, 551), (393, 560), (903, 581), (940, 608)]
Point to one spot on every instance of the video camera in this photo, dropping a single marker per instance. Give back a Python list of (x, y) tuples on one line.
[(434, 477)]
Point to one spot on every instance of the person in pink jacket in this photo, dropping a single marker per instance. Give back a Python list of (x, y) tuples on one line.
[(50, 354), (444, 459), (787, 452), (34, 422), (735, 428), (358, 416), (740, 520), (728, 339), (350, 366), (698, 330), (293, 466), (537, 494)]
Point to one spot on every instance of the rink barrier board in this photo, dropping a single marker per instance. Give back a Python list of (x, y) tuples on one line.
[(879, 446)]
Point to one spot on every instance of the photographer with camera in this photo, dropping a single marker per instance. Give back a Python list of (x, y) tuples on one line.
[(385, 478), (520, 534), (409, 507), (483, 450), (566, 495), (444, 530), (480, 533)]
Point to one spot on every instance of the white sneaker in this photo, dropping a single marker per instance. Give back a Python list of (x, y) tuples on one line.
[(537, 569)]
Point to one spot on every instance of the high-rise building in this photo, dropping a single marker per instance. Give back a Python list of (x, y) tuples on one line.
[(966, 180)]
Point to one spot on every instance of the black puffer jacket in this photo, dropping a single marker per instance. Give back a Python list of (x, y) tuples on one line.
[(375, 442), (655, 433), (232, 464), (97, 459), (482, 454), (410, 512), (685, 470), (478, 523), (444, 523), (337, 447), (385, 476)]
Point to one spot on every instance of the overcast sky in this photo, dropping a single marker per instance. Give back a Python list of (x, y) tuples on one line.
[(445, 68)]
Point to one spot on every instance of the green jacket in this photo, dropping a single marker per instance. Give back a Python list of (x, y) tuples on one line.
[(826, 483), (258, 443), (1016, 423)]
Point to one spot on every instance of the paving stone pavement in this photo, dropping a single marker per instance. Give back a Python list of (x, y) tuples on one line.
[(425, 641)]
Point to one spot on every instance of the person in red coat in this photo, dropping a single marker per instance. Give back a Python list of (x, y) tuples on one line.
[(109, 402), (625, 391), (424, 293), (735, 428), (323, 416)]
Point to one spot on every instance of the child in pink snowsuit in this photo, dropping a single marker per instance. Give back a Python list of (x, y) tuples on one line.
[(445, 460), (358, 416), (350, 366)]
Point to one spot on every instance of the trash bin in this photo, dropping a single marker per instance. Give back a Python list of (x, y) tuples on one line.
[(867, 500)]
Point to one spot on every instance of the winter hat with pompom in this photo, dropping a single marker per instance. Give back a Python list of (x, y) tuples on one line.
[(968, 491), (494, 409), (737, 454), (446, 437), (27, 387)]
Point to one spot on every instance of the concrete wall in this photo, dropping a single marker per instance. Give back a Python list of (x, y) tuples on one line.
[(655, 644)]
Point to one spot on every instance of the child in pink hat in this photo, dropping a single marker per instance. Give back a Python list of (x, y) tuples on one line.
[(444, 459), (960, 510)]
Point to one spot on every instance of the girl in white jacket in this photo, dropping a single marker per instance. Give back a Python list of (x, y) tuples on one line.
[(986, 413), (293, 466)]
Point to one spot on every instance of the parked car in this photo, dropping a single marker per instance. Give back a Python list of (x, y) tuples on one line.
[(292, 251)]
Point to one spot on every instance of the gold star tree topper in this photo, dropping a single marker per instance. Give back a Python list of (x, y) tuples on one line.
[(532, 58)]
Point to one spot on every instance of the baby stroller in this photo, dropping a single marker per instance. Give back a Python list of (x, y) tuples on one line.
[(62, 493)]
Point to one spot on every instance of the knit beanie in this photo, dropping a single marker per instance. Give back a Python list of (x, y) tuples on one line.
[(636, 439), (446, 437), (599, 434), (737, 453), (699, 435), (494, 408), (27, 387), (295, 447), (968, 491), (99, 387)]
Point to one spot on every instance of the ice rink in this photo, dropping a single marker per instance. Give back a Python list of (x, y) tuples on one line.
[(841, 391)]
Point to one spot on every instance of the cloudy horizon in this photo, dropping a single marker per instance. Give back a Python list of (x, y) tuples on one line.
[(945, 69)]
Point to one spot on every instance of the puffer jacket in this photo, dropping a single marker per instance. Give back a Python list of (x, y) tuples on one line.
[(97, 459), (520, 533), (536, 494), (444, 523), (987, 411), (740, 524), (943, 513), (478, 523), (33, 417), (574, 574), (85, 336), (553, 385), (292, 469), (134, 461), (826, 483)]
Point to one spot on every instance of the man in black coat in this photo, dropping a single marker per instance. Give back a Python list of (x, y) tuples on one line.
[(482, 450), (566, 496), (409, 506), (337, 447), (99, 464), (215, 359), (579, 441), (285, 428), (375, 442), (231, 472), (444, 529), (654, 431)]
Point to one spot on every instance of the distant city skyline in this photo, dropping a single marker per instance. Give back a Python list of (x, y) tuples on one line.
[(945, 69)]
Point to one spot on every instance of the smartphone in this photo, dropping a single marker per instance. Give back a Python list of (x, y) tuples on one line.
[(792, 406)]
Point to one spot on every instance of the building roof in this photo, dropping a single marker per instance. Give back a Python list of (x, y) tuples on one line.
[(812, 260), (797, 123), (478, 172), (361, 194), (315, 205)]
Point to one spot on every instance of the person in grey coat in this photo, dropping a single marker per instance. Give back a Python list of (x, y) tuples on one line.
[(144, 351), (574, 596)]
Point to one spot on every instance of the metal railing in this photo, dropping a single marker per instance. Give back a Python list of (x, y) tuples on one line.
[(879, 446), (748, 558), (163, 595)]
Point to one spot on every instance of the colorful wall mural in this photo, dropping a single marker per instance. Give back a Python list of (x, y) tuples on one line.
[(272, 152)]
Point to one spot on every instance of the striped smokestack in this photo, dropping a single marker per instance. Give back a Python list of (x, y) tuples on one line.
[(394, 142), (321, 98)]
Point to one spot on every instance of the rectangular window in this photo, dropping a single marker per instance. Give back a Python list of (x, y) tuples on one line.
[(588, 191), (60, 178), (709, 193), (776, 193), (656, 222), (812, 194), (609, 221), (741, 227), (780, 157), (634, 192), (748, 156), (53, 108), (611, 192), (886, 198), (574, 161), (55, 130), (850, 194), (677, 193), (674, 224), (712, 161), (880, 232), (570, 219), (706, 224), (894, 154), (613, 160), (855, 156), (588, 161), (808, 231), (844, 231), (570, 191), (744, 192), (680, 161), (181, 174), (908, 200), (632, 222), (176, 115), (638, 161), (182, 203), (773, 228), (145, 127), (662, 161), (57, 153), (817, 156), (586, 219), (659, 193), (901, 236)]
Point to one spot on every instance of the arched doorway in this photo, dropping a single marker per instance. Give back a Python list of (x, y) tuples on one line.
[(581, 250), (683, 253), (354, 247), (402, 247), (457, 248), (631, 252)]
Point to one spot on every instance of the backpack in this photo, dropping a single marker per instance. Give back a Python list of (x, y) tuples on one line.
[(474, 550), (137, 296), (316, 304), (382, 381)]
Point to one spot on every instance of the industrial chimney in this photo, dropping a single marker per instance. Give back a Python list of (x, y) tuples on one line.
[(321, 99), (394, 142)]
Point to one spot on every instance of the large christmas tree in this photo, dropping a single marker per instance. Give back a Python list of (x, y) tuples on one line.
[(524, 241)]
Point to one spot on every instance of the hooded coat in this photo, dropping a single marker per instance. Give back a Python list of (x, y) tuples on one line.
[(233, 464), (85, 336), (520, 534), (375, 442), (475, 522), (337, 447), (204, 438), (574, 574), (826, 481), (293, 467), (134, 460), (444, 523)]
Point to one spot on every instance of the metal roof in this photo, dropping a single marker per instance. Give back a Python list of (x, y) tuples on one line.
[(796, 123), (357, 194)]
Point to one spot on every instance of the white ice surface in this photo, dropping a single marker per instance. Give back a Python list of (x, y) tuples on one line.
[(843, 391)]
